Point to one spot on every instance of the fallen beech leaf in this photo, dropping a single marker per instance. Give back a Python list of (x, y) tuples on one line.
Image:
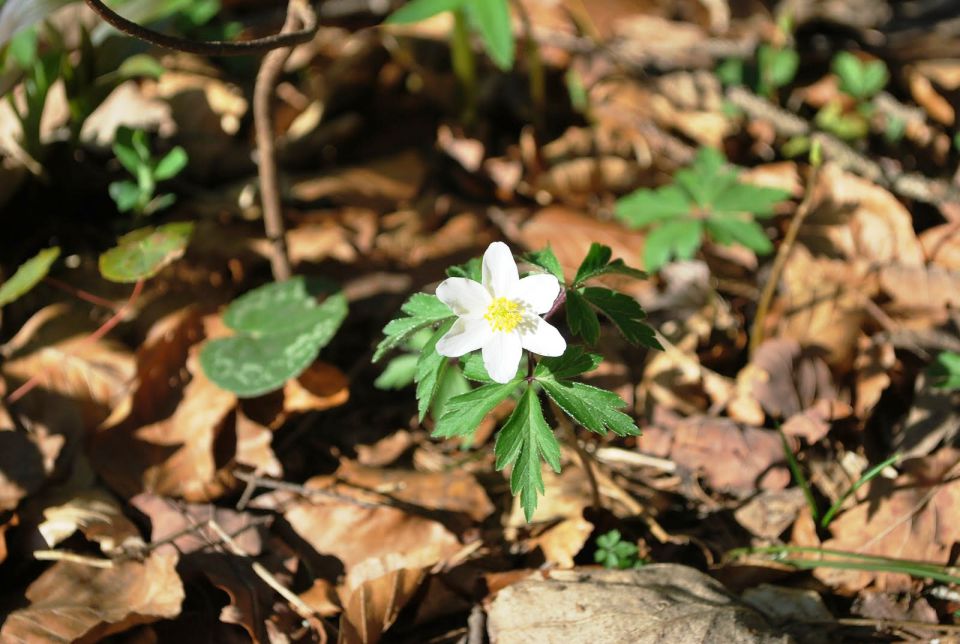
[(786, 379), (657, 603), (452, 491), (322, 598), (97, 515), (378, 589), (858, 220), (909, 518), (921, 289), (887, 606), (70, 602), (561, 543), (941, 245), (933, 420), (822, 304), (814, 423), (321, 386), (381, 183), (731, 458), (251, 599), (354, 533), (771, 512), (782, 605)]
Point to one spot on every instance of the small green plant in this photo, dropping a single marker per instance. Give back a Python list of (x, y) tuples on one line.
[(132, 150), (490, 19), (614, 554), (705, 200), (486, 307), (775, 67), (861, 81), (28, 275), (278, 329), (945, 370)]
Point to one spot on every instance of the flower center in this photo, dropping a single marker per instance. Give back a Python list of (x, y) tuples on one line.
[(503, 314)]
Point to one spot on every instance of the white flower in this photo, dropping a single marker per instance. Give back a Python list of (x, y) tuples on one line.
[(501, 315)]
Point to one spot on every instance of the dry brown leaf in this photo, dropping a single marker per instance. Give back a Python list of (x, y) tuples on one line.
[(783, 605), (909, 518), (872, 366), (97, 515), (927, 96), (730, 458), (941, 245), (657, 603), (251, 599), (856, 219), (380, 183), (822, 304), (570, 232), (676, 379), (561, 543), (933, 420), (786, 379), (378, 589), (921, 292), (322, 598), (452, 491), (771, 512), (886, 606), (386, 450), (814, 423), (353, 532), (127, 106), (72, 602)]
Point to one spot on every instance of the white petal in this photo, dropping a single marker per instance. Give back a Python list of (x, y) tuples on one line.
[(500, 274), (501, 356), (463, 337), (463, 296), (543, 339), (538, 291)]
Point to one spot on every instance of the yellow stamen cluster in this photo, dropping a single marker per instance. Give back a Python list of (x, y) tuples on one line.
[(503, 315)]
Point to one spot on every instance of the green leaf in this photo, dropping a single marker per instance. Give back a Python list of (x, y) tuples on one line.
[(171, 165), (473, 368), (731, 72), (727, 230), (875, 77), (471, 270), (492, 19), (573, 362), (625, 313), (398, 373), (593, 408), (430, 370), (708, 177), (127, 156), (850, 72), (452, 383), (597, 263), (945, 370), (280, 330), (418, 10), (142, 253), (462, 414), (422, 310), (679, 239), (546, 260), (28, 275), (581, 319), (778, 67), (287, 307), (523, 441), (644, 207), (140, 65), (745, 197), (126, 194)]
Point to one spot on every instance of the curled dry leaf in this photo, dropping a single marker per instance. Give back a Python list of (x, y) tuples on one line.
[(71, 602), (382, 183), (785, 378), (377, 589), (657, 603), (561, 543), (731, 459), (97, 515), (909, 518), (941, 245)]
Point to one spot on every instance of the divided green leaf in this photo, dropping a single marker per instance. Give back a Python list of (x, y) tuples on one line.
[(945, 370), (860, 79), (546, 260), (597, 263), (280, 330), (422, 311), (431, 367), (143, 253), (28, 275), (491, 19), (707, 198), (462, 414), (524, 440)]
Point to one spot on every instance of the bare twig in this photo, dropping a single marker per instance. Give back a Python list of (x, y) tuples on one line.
[(298, 12), (300, 490), (72, 557), (285, 39), (766, 297)]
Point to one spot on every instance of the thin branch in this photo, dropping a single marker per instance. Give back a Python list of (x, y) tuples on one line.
[(285, 39), (270, 69), (72, 557)]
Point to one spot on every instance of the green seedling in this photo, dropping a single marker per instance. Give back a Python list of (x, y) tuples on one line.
[(132, 150), (28, 275), (861, 81), (944, 372), (485, 306), (775, 67), (706, 200), (614, 554)]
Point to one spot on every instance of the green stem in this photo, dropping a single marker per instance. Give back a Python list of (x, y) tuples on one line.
[(871, 474), (464, 64), (798, 475)]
